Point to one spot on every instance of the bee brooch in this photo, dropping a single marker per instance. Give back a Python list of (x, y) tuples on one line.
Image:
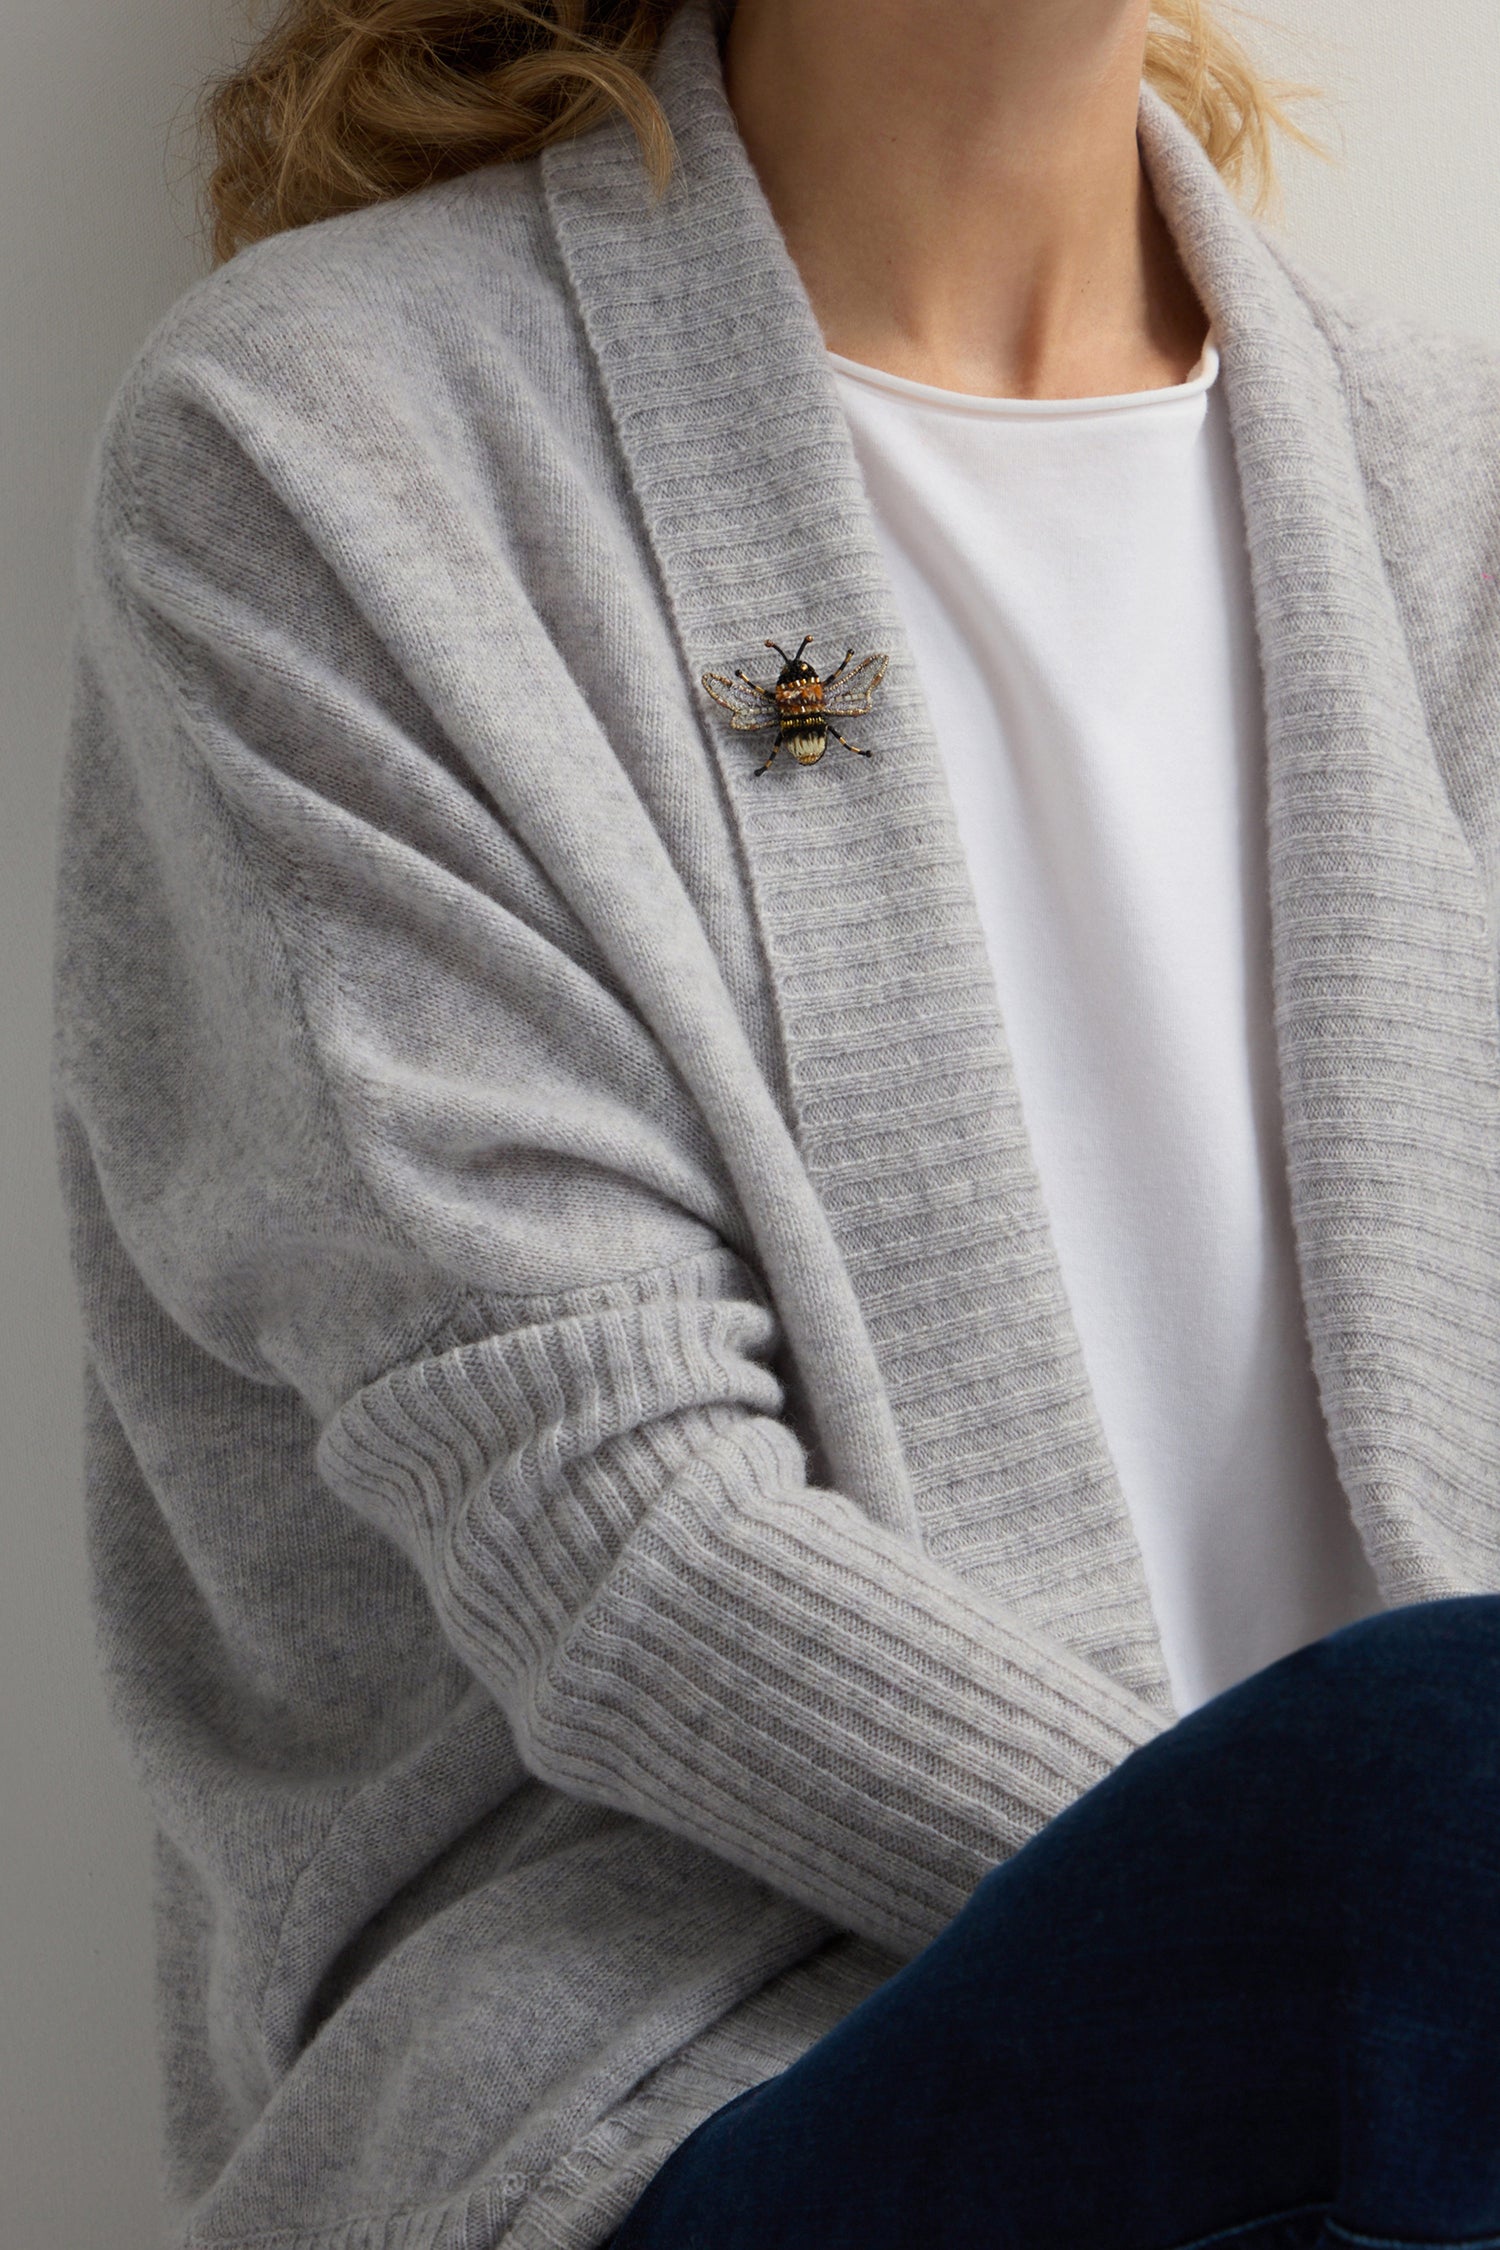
[(800, 705)]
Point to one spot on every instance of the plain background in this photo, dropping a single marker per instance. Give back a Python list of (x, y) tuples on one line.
[(96, 240)]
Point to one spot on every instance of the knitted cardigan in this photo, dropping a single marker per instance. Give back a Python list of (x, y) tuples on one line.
[(600, 1531)]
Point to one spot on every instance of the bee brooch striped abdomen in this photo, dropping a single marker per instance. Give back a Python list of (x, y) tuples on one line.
[(798, 703)]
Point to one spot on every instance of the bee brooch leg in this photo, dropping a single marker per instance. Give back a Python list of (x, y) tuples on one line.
[(848, 745), (774, 748)]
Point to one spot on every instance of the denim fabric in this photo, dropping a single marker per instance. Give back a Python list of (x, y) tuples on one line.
[(1244, 1991)]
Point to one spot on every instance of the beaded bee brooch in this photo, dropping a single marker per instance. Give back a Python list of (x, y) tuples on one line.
[(798, 704)]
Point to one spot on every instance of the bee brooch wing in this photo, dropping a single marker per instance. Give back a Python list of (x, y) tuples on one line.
[(849, 693), (749, 706)]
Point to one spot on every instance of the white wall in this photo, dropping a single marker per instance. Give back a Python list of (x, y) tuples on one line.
[(94, 244), (1411, 209), (95, 241)]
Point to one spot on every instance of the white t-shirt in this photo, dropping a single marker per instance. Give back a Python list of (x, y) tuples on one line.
[(1075, 584)]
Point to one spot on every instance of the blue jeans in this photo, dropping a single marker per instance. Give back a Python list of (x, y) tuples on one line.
[(1245, 1991)]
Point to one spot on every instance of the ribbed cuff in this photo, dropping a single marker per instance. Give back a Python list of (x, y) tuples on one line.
[(622, 1543)]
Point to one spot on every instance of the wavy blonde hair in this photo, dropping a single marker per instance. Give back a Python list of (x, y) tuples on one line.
[(342, 103)]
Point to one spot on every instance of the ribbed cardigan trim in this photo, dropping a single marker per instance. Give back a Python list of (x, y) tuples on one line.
[(907, 1107)]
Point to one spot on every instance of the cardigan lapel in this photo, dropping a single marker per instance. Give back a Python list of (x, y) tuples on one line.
[(1384, 959), (906, 1105)]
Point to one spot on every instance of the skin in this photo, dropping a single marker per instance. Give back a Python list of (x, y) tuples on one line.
[(960, 189)]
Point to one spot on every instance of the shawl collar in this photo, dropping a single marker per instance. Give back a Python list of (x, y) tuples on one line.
[(906, 1104), (1383, 950)]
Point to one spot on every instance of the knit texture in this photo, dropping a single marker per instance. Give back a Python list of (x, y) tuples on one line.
[(600, 1530)]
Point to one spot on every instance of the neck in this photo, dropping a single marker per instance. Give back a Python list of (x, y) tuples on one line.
[(959, 186)]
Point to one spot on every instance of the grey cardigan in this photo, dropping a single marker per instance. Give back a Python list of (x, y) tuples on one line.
[(600, 1530)]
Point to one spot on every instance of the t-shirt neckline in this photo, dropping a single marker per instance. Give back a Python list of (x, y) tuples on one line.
[(1202, 379)]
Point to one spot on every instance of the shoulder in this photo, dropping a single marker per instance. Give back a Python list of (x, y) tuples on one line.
[(430, 340), (410, 274), (412, 300), (1424, 407), (1424, 413), (1393, 361)]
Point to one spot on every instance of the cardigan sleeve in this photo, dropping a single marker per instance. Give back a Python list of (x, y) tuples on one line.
[(373, 1121)]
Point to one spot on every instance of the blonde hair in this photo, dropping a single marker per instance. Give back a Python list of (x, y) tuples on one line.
[(343, 103)]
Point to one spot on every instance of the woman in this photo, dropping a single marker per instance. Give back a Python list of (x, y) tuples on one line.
[(792, 1404)]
